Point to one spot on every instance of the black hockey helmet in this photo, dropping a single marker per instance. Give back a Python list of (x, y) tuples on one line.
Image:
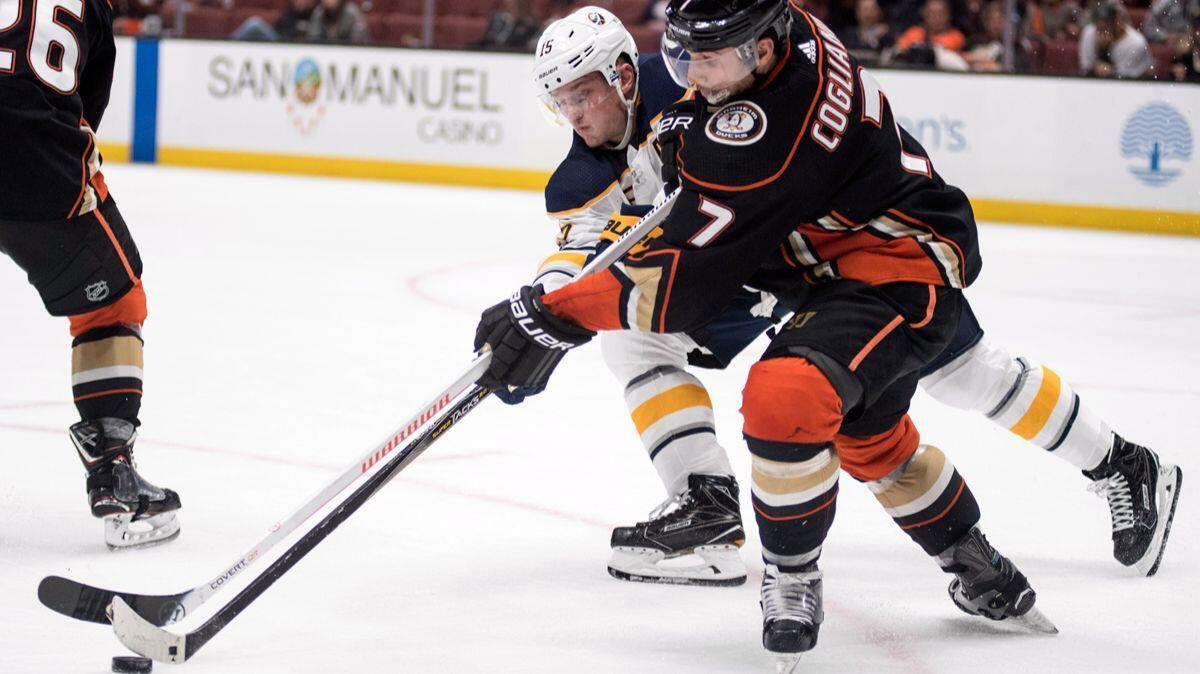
[(709, 25)]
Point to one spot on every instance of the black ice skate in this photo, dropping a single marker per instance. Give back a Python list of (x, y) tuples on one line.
[(986, 583), (792, 614), (1142, 493), (691, 539), (136, 513)]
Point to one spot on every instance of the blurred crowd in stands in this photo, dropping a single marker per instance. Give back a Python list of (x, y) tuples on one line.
[(1129, 39)]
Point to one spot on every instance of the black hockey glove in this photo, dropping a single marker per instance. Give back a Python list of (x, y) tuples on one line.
[(527, 342), (676, 120)]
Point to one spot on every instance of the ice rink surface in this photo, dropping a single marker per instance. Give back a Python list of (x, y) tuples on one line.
[(295, 321)]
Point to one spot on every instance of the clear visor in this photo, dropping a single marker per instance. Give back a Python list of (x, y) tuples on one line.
[(574, 101), (712, 72)]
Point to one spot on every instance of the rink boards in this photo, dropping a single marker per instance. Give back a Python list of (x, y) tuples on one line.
[(1114, 155)]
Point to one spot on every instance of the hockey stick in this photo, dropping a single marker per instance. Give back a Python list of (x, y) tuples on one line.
[(85, 602), (140, 635), (145, 639)]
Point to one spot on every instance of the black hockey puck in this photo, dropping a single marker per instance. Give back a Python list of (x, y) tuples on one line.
[(126, 663)]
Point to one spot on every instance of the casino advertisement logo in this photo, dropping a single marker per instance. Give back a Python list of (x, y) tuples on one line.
[(422, 100), (303, 105), (1157, 137)]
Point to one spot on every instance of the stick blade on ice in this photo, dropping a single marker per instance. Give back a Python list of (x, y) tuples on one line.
[(145, 639)]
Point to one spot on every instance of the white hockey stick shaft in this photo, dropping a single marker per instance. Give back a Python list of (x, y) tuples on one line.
[(410, 428)]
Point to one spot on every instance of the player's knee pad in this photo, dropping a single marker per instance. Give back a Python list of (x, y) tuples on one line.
[(130, 310), (790, 400), (875, 456), (630, 354), (977, 380), (928, 499)]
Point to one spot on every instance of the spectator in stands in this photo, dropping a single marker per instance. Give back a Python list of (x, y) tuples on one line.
[(935, 41), (1185, 67), (871, 35), (1053, 19), (655, 15), (935, 29), (137, 17), (985, 51), (559, 9), (340, 21), (1169, 20), (1110, 47), (292, 25), (512, 28)]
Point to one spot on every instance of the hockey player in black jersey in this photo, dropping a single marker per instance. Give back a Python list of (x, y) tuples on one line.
[(612, 167), (794, 175), (59, 223)]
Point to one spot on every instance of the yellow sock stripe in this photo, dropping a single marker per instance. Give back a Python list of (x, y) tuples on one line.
[(106, 353), (1041, 408), (668, 402), (573, 259)]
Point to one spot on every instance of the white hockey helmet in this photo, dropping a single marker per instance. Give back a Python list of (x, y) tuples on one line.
[(588, 40)]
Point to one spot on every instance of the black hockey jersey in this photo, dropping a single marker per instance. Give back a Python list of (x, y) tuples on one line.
[(805, 178), (56, 68)]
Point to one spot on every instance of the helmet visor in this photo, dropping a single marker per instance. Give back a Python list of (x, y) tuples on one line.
[(576, 100), (713, 73)]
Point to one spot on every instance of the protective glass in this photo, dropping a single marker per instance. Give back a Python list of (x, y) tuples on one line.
[(713, 72), (571, 100)]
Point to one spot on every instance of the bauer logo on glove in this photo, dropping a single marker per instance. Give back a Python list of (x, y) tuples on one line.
[(527, 342)]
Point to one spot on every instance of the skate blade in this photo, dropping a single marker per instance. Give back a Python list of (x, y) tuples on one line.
[(715, 565), (121, 532), (1170, 480), (1036, 621), (787, 663)]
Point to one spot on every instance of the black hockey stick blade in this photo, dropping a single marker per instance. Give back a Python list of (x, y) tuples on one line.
[(85, 602), (144, 638)]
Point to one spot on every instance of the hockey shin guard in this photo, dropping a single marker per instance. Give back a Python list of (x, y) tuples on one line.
[(106, 373), (928, 499), (1028, 399), (794, 492), (673, 415)]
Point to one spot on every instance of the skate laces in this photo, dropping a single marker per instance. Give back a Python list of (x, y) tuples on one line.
[(672, 505), (1120, 501), (794, 596)]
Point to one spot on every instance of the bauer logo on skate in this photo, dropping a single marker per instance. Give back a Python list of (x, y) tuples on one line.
[(408, 431), (1155, 134)]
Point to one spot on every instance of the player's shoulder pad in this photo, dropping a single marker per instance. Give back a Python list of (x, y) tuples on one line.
[(753, 140), (581, 177), (656, 86)]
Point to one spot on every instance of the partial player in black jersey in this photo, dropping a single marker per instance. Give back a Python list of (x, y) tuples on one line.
[(795, 175), (61, 226)]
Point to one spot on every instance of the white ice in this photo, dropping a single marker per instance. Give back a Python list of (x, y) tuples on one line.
[(295, 321)]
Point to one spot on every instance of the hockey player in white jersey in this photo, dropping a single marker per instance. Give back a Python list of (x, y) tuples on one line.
[(589, 76)]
